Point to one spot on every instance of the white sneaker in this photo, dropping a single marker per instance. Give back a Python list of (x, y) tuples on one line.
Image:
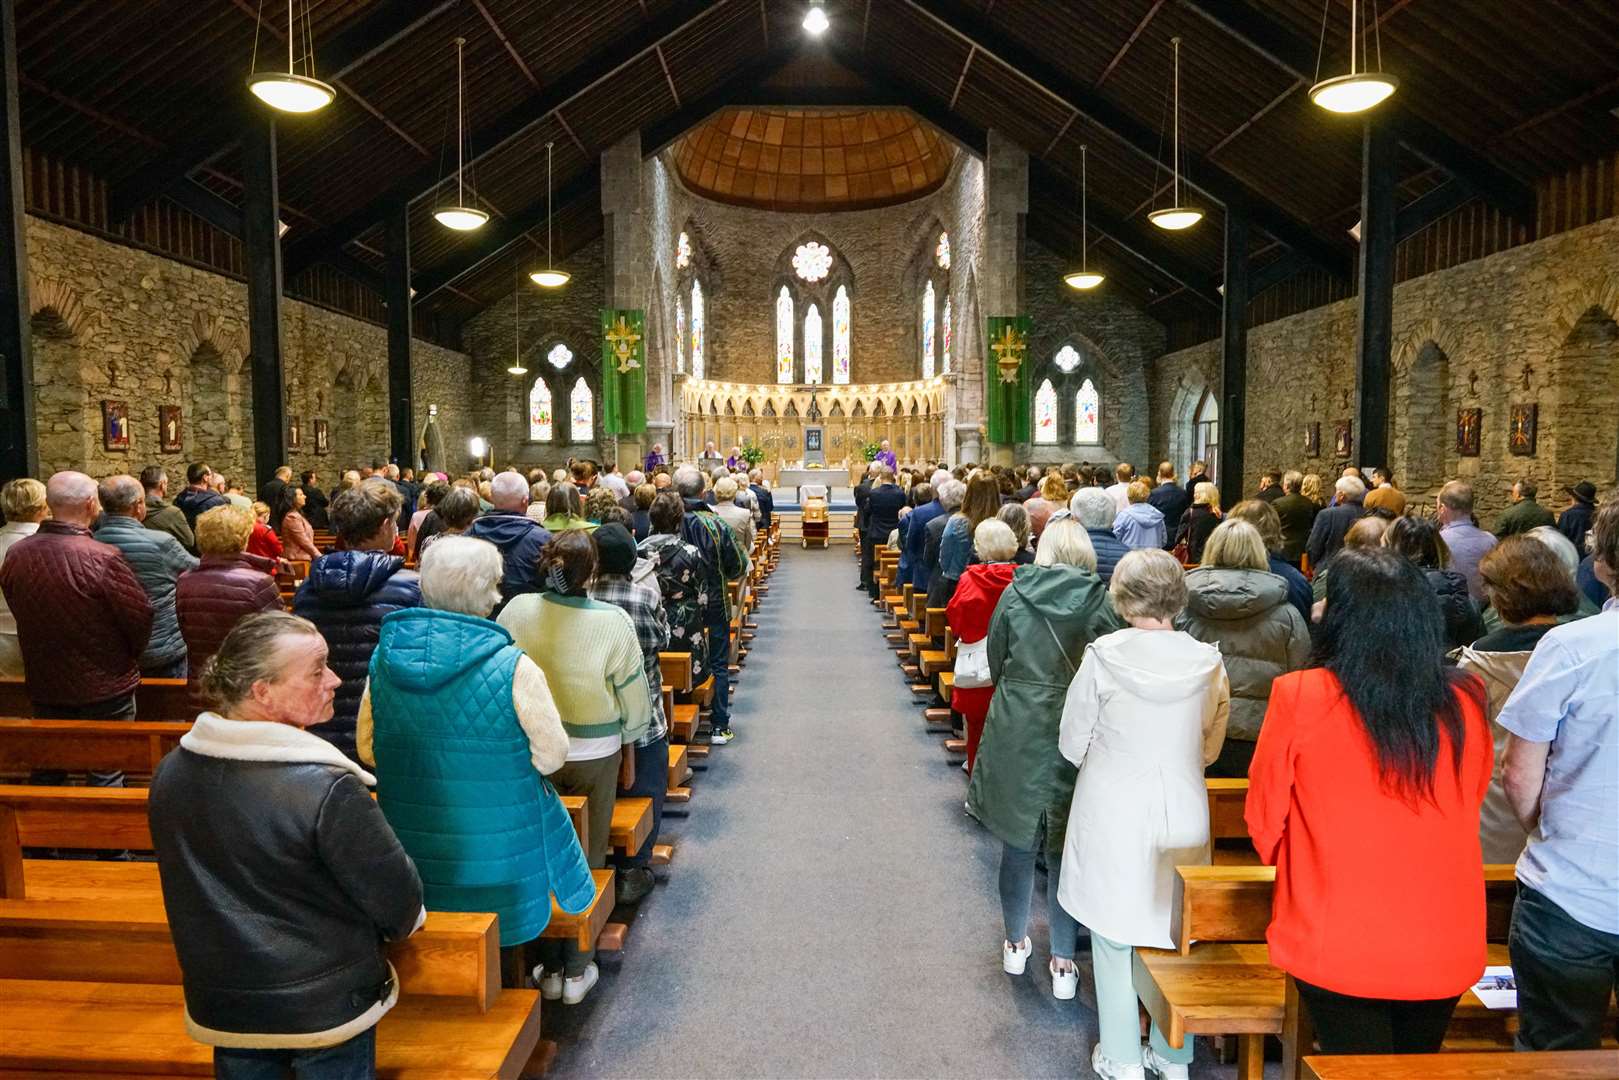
[(575, 989), (1015, 957), (1166, 1070), (1064, 984), (549, 982), (1108, 1069)]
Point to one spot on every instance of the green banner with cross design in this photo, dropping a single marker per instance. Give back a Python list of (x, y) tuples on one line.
[(1007, 399), (623, 371)]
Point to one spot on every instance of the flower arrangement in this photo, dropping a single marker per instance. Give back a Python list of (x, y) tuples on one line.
[(869, 451), (753, 454)]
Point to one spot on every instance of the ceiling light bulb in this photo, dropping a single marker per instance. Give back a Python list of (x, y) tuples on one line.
[(291, 93), (1083, 279), (1353, 93), (517, 368), (815, 20), (550, 278), (460, 218), (1175, 218)]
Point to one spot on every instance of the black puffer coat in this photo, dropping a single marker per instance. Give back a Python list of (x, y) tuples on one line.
[(1463, 623), (346, 596)]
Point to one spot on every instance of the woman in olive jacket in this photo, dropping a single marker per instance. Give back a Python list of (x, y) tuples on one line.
[(1235, 602)]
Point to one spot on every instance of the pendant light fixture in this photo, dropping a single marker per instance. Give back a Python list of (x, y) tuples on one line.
[(1177, 215), (517, 367), (1359, 90), (550, 277), (288, 90), (460, 217), (1083, 278), (815, 20)]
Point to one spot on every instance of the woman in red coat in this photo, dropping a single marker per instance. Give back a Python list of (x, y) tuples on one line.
[(969, 613), (1364, 793)]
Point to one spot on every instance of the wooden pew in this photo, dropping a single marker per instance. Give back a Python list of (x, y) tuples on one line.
[(632, 821), (80, 745), (156, 699), (1543, 1065)]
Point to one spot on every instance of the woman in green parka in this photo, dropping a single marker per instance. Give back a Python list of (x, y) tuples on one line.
[(1021, 785)]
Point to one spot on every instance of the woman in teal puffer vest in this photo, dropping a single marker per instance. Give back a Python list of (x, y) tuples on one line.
[(460, 728)]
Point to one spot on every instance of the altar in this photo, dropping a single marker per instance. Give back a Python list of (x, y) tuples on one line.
[(836, 477)]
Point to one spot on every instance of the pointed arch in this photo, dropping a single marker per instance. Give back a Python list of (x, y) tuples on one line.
[(581, 412), (1045, 414), (1087, 413), (699, 329), (784, 336), (812, 345), (54, 308), (928, 298), (946, 337), (541, 421), (840, 337)]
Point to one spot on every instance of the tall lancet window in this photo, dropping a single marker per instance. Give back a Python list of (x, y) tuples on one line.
[(927, 331), (784, 336), (1045, 414), (697, 329), (582, 413), (945, 337), (812, 345), (840, 337), (1087, 413), (539, 411), (680, 334)]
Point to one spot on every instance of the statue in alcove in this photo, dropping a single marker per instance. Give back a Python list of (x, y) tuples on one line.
[(431, 449)]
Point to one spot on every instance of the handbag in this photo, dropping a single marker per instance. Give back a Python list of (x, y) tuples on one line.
[(972, 664)]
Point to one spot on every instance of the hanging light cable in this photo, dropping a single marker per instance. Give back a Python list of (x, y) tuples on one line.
[(1177, 215), (1083, 278), (289, 91), (517, 367), (460, 217), (1359, 90), (550, 277)]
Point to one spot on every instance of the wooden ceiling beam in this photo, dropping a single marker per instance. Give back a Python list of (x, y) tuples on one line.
[(1297, 57), (660, 134), (386, 23)]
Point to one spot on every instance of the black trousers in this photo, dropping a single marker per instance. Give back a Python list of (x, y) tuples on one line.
[(1356, 1025), (868, 561), (1565, 971)]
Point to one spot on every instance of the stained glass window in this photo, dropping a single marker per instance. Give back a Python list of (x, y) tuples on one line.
[(840, 336), (1045, 414), (683, 251), (539, 411), (812, 345), (1066, 359), (942, 251), (697, 329), (1087, 413), (927, 331), (946, 336), (680, 334), (582, 413), (784, 336), (812, 261), (560, 356)]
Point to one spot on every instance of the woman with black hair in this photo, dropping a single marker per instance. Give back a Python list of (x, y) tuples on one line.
[(288, 518), (1418, 539), (1364, 794)]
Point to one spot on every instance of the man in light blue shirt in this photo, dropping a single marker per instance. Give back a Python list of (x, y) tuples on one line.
[(1561, 774), (1467, 542)]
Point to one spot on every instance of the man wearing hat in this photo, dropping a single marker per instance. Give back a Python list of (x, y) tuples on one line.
[(631, 583), (1575, 521), (1524, 513)]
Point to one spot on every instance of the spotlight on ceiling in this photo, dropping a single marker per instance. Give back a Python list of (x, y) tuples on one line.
[(815, 20)]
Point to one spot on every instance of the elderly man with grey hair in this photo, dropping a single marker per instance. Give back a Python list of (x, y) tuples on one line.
[(1094, 509), (723, 562), (762, 498), (949, 492), (83, 619), (158, 560), (1333, 523), (518, 536)]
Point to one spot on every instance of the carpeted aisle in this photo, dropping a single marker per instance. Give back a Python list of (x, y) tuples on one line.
[(831, 910)]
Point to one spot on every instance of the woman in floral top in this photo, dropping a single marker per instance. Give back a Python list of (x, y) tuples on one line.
[(681, 579)]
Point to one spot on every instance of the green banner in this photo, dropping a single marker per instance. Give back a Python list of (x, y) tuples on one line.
[(1007, 366), (623, 371)]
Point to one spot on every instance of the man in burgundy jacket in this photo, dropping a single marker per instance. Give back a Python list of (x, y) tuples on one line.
[(83, 619)]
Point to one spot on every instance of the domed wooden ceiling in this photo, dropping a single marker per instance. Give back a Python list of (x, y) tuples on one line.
[(809, 160)]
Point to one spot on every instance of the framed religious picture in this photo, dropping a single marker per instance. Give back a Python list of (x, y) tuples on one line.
[(115, 425), (1522, 429), (295, 432), (170, 436), (1343, 440), (322, 438), (1312, 439), (1469, 424)]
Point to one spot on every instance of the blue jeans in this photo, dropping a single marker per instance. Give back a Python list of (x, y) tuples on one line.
[(174, 669), (719, 665), (352, 1060), (1566, 973), (1017, 891), (651, 782)]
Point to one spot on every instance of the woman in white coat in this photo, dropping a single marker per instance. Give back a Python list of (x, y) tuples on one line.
[(1144, 715)]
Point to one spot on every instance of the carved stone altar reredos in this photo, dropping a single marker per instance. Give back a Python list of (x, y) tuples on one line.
[(910, 415)]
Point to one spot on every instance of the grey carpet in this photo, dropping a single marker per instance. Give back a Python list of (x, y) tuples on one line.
[(831, 911)]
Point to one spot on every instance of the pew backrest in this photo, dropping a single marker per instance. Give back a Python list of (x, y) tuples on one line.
[(155, 699), (79, 745)]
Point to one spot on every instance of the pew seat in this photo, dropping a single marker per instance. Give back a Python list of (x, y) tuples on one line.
[(74, 1028), (632, 821), (1544, 1065)]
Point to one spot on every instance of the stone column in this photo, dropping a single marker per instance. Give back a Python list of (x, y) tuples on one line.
[(1000, 280), (627, 253)]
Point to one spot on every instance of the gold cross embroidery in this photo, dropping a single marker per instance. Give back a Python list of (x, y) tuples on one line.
[(1008, 353), (623, 340)]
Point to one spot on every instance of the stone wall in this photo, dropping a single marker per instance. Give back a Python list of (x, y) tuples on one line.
[(118, 323), (1531, 325), (569, 316)]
